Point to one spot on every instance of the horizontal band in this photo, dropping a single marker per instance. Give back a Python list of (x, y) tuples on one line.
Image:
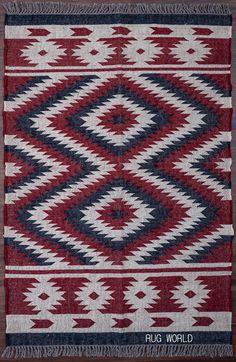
[(112, 338)]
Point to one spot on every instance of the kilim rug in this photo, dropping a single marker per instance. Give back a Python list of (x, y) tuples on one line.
[(118, 222)]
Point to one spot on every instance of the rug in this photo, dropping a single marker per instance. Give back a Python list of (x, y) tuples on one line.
[(118, 214)]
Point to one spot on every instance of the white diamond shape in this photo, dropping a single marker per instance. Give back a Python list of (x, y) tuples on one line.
[(53, 52), (84, 53), (94, 286), (55, 296), (141, 285), (191, 284), (180, 51), (149, 52)]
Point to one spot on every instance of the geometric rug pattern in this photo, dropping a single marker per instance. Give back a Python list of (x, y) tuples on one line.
[(118, 210)]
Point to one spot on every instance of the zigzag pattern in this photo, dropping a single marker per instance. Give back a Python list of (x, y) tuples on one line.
[(118, 170)]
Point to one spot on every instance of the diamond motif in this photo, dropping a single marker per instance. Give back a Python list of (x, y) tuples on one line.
[(145, 51), (143, 214), (92, 121), (117, 214), (93, 54), (94, 295), (191, 51), (141, 294), (44, 296), (118, 192), (191, 293), (43, 53), (119, 119), (137, 142)]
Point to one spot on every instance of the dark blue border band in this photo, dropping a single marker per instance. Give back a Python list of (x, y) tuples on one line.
[(176, 19), (19, 339)]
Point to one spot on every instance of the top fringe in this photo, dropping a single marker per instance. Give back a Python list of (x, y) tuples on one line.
[(25, 8)]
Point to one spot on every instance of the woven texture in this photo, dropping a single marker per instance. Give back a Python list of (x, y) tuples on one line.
[(118, 222)]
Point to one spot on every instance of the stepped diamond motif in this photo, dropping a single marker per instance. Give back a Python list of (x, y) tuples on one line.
[(119, 177), (117, 214), (119, 118), (43, 53), (44, 296)]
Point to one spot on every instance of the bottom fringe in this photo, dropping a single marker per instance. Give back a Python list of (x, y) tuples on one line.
[(170, 350)]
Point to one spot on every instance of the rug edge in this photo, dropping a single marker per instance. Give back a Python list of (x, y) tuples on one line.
[(131, 351), (27, 8)]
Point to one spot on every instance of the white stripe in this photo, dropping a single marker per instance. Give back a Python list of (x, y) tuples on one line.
[(125, 265), (100, 31), (183, 322), (118, 275), (203, 242), (205, 66), (119, 72)]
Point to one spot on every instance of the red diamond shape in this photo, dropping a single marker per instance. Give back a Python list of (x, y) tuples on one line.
[(140, 295), (43, 296), (129, 119), (93, 295), (42, 52), (140, 51), (117, 214), (190, 294), (94, 52), (191, 51)]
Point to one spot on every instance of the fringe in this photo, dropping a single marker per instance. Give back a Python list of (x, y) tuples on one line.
[(22, 8), (170, 350)]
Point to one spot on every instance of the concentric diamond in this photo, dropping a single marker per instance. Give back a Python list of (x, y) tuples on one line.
[(92, 122), (117, 214), (118, 119)]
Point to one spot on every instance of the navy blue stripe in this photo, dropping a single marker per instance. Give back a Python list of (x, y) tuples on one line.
[(216, 86), (195, 19), (30, 253), (17, 339), (208, 250)]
